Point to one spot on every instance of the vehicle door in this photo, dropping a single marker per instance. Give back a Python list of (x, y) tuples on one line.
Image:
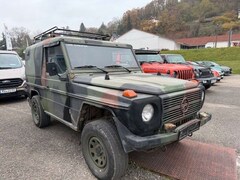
[(57, 103)]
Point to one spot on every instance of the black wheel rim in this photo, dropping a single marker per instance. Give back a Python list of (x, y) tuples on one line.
[(35, 112), (97, 152)]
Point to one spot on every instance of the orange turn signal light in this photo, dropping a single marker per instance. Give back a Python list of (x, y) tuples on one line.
[(195, 81), (129, 94)]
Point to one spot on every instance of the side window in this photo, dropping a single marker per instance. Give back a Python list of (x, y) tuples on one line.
[(55, 54)]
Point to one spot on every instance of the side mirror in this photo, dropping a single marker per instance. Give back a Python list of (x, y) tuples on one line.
[(52, 68)]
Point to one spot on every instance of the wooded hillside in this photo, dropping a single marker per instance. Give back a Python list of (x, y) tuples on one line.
[(188, 18)]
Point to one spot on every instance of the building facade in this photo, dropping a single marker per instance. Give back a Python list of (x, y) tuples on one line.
[(218, 41), (143, 40)]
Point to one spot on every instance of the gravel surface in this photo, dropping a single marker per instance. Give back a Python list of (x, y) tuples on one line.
[(27, 152)]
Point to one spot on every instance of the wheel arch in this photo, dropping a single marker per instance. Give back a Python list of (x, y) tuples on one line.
[(33, 93), (92, 112)]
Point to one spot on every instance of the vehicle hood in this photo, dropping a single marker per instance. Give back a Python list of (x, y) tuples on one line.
[(12, 73), (198, 67), (216, 69), (139, 82), (225, 68)]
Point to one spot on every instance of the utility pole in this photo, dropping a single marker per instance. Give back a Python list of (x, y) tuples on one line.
[(230, 37), (238, 5)]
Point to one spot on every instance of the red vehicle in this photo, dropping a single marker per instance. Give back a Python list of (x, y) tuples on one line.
[(152, 62), (217, 75), (203, 74)]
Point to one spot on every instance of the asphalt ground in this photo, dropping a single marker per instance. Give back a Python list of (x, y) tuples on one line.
[(27, 152)]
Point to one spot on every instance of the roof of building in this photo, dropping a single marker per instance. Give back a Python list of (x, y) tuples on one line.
[(197, 41), (144, 32)]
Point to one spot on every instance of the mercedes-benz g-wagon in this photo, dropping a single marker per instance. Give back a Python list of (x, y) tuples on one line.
[(97, 87)]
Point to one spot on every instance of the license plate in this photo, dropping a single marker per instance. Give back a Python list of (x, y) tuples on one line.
[(5, 91), (213, 81), (188, 130)]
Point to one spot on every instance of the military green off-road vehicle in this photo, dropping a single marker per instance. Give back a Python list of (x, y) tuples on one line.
[(98, 88)]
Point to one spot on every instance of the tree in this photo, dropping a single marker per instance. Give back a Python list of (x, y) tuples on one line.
[(228, 21), (113, 26), (203, 9), (102, 29), (3, 42), (92, 30), (129, 24), (20, 39), (82, 28)]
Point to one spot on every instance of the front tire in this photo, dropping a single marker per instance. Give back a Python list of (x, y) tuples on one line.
[(103, 151), (207, 86), (40, 118)]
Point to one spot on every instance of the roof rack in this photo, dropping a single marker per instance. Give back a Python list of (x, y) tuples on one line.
[(55, 31)]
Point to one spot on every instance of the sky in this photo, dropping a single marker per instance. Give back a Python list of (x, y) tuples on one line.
[(39, 15)]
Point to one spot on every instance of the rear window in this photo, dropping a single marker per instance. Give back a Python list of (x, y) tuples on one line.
[(9, 61)]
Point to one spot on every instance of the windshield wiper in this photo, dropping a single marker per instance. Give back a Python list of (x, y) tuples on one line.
[(118, 66), (6, 68), (90, 67)]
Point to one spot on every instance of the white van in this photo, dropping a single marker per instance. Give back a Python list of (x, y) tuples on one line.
[(12, 75)]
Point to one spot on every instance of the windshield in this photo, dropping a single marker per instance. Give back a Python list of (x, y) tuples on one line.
[(99, 56), (175, 59), (149, 58), (215, 64), (207, 63), (9, 61)]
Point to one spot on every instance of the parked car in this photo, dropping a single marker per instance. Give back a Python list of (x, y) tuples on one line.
[(202, 74), (12, 75), (152, 62), (200, 69), (224, 69), (217, 75), (97, 87)]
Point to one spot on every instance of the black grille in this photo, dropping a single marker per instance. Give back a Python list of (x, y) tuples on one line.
[(10, 83), (185, 74), (172, 111), (205, 73)]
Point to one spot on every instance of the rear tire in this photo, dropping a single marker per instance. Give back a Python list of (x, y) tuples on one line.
[(103, 151), (40, 118)]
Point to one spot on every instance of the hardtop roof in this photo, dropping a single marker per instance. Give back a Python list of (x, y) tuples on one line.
[(143, 51)]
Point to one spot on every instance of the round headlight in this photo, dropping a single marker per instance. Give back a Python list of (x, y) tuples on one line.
[(196, 73), (147, 113), (203, 95)]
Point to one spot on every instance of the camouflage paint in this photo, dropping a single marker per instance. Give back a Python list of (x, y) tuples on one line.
[(63, 96)]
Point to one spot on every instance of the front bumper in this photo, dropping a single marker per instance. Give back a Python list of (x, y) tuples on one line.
[(207, 81), (219, 78), (132, 142), (14, 91), (227, 73)]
